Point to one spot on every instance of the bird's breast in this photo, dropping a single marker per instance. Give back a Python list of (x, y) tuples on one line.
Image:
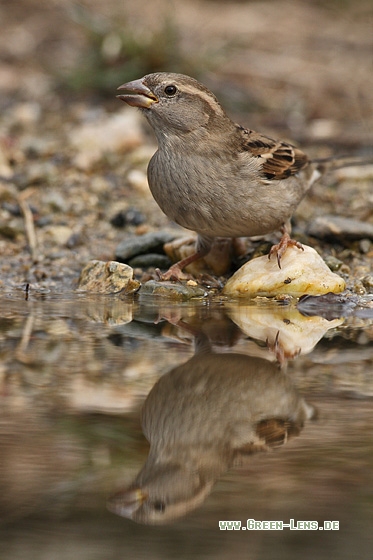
[(217, 197)]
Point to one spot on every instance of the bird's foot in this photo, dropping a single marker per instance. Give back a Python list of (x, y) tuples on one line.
[(280, 248), (281, 354), (175, 273)]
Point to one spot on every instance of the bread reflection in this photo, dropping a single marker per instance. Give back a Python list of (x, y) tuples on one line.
[(202, 418)]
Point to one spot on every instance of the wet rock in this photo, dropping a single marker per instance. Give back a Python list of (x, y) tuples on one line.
[(302, 272), (172, 291), (150, 260), (329, 306), (337, 227), (141, 244), (107, 278)]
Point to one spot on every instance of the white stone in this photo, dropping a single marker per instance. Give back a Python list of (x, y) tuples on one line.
[(301, 272)]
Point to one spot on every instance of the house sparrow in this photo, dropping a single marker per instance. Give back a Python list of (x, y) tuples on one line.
[(202, 418), (211, 175)]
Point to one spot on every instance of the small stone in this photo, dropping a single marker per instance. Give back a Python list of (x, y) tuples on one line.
[(367, 282), (333, 263), (107, 278), (140, 244), (365, 246), (36, 174), (150, 260), (56, 201), (138, 180), (119, 132), (60, 234), (301, 272), (127, 217), (171, 290), (337, 227), (12, 229), (27, 113)]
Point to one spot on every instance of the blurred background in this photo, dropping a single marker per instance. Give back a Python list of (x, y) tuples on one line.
[(301, 70), (76, 158), (305, 66)]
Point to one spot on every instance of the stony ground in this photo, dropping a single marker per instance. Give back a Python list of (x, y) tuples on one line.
[(73, 159)]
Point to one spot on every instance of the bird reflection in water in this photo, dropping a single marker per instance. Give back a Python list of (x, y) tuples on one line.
[(202, 418)]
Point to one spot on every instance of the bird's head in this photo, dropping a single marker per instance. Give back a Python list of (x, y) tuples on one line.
[(173, 103), (161, 494)]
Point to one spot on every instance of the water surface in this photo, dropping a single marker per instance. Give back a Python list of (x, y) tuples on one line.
[(252, 412)]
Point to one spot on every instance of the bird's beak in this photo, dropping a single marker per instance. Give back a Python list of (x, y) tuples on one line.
[(126, 502), (137, 94)]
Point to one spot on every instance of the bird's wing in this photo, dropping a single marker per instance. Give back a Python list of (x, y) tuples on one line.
[(279, 159)]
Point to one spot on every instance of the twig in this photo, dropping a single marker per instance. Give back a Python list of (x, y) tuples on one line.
[(21, 350), (29, 222)]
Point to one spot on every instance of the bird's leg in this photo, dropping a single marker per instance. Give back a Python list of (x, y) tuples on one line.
[(285, 242), (175, 272)]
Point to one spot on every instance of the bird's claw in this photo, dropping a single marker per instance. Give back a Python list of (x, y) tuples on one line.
[(280, 248), (174, 273)]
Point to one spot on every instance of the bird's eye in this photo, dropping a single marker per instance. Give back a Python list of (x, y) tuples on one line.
[(159, 506), (170, 90)]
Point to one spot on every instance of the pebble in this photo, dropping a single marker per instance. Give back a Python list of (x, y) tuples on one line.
[(171, 290), (56, 201), (60, 234), (119, 132), (301, 272), (27, 113), (150, 260), (127, 217), (107, 278), (40, 173), (138, 180), (140, 244), (367, 282), (338, 227), (333, 263)]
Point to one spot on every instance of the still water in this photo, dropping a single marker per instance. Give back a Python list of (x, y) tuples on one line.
[(130, 428)]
